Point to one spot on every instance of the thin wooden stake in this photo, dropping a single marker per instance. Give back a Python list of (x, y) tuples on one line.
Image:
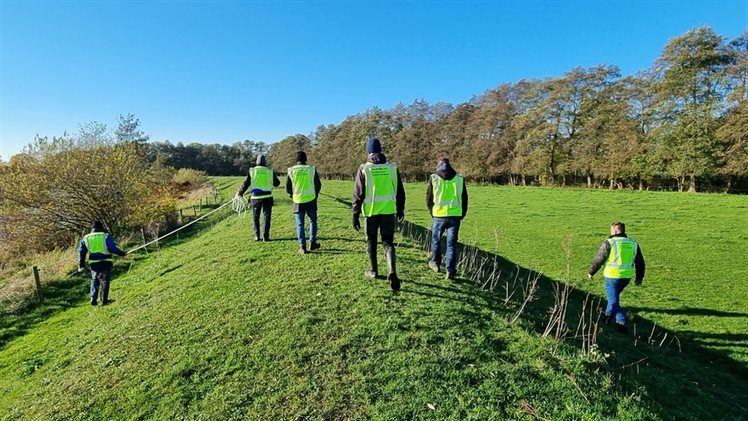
[(37, 284)]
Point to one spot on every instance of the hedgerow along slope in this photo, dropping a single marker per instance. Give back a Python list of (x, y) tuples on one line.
[(219, 326)]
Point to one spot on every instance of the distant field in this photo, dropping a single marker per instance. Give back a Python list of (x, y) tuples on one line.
[(216, 326)]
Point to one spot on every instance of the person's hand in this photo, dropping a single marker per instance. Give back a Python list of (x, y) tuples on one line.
[(356, 223), (589, 276), (400, 217)]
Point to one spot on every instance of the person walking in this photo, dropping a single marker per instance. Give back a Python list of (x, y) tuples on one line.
[(380, 196), (447, 201), (260, 180), (623, 259), (99, 246), (303, 186)]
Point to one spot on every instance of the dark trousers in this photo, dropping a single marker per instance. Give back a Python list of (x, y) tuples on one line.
[(100, 278), (384, 224), (266, 206)]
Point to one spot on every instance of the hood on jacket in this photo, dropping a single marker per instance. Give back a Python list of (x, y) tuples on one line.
[(377, 158), (444, 170), (262, 160)]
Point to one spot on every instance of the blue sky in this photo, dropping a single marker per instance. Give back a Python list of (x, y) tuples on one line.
[(224, 71)]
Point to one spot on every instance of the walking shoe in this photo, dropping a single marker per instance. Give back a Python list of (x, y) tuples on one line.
[(257, 238), (449, 275), (302, 250), (107, 302), (394, 281), (370, 274), (314, 246), (622, 328), (266, 238), (93, 302), (434, 266)]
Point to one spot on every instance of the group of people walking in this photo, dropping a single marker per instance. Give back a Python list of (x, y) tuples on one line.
[(379, 195)]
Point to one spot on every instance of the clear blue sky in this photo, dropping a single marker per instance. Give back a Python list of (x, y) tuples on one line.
[(225, 71)]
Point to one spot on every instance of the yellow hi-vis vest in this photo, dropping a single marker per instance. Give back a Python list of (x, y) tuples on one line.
[(620, 263), (261, 178), (381, 188), (447, 196), (96, 244), (302, 181)]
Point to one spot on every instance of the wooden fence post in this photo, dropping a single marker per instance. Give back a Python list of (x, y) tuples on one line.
[(37, 284)]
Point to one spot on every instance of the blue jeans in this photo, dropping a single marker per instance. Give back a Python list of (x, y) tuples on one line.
[(452, 226), (266, 206), (613, 288), (312, 214), (100, 278)]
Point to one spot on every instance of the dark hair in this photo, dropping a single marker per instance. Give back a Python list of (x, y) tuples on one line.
[(620, 225), (97, 226)]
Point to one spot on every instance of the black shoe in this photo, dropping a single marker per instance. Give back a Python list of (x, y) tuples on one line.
[(106, 302), (622, 328), (266, 238), (93, 302), (394, 282), (449, 275), (314, 246), (371, 274)]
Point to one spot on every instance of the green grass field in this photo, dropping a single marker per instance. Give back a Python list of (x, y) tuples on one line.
[(216, 326)]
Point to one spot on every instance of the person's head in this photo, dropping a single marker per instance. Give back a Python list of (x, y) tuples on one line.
[(373, 146), (301, 157), (262, 160), (617, 228), (97, 226), (442, 165)]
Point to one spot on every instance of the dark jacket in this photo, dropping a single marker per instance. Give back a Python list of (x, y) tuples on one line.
[(317, 188), (248, 182), (446, 172), (83, 250), (359, 190), (604, 251)]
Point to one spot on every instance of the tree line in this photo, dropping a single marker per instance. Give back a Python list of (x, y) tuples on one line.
[(681, 124)]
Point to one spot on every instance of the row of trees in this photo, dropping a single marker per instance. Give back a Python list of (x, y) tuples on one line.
[(50, 194), (680, 123)]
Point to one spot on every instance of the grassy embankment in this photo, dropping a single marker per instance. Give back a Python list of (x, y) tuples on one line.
[(216, 326)]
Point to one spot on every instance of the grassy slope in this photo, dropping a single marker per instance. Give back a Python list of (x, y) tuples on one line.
[(219, 326), (693, 243)]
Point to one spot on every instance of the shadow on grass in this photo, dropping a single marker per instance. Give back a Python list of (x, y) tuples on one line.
[(670, 365), (61, 294)]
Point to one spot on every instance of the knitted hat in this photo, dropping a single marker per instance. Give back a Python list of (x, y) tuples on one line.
[(300, 156), (373, 146)]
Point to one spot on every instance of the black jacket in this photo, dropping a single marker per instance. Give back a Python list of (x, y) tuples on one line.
[(359, 190), (446, 172), (317, 188), (248, 182), (604, 251)]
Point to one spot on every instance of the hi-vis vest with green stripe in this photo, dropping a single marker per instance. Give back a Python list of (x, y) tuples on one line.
[(447, 196), (381, 188), (261, 178), (620, 263), (302, 181), (96, 244)]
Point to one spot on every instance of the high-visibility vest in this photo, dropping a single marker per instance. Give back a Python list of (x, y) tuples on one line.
[(447, 196), (620, 263), (96, 244), (302, 181), (381, 188), (261, 178)]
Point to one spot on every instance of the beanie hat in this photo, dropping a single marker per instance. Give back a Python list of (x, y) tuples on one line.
[(373, 146), (300, 156), (261, 160)]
